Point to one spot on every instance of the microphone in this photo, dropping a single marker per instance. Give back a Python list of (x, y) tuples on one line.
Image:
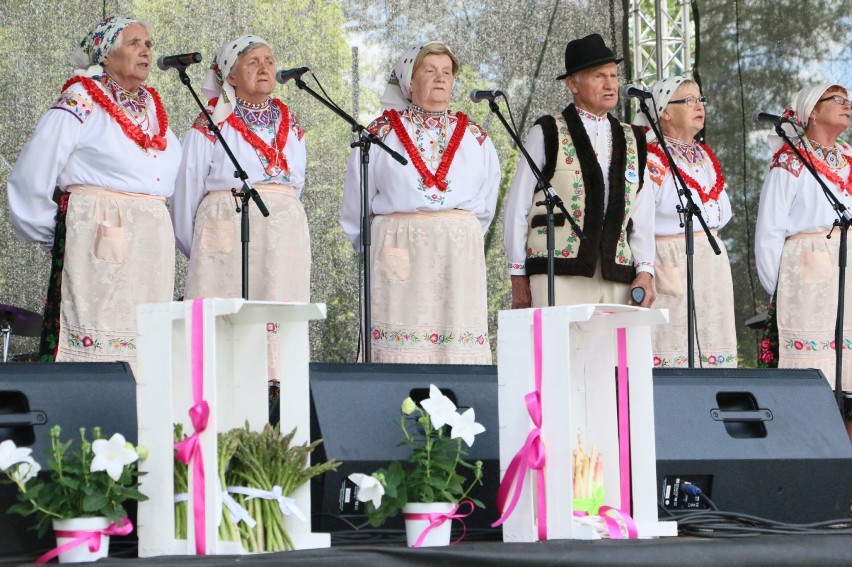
[(284, 75), (182, 61), (479, 96), (637, 294), (758, 117), (632, 91)]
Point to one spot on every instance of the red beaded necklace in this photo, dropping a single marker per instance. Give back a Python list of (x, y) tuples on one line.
[(274, 154), (439, 178), (131, 130), (704, 194), (823, 169)]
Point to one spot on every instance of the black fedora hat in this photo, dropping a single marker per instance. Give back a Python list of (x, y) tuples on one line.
[(586, 52)]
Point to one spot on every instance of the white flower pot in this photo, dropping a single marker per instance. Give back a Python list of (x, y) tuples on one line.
[(414, 528), (81, 553)]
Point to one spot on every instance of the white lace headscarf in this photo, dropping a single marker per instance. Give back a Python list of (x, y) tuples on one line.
[(397, 93), (663, 91), (215, 85)]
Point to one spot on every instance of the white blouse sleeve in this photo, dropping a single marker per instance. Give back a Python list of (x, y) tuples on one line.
[(777, 198), (32, 210), (641, 237), (519, 203), (190, 186), (350, 209), (491, 184)]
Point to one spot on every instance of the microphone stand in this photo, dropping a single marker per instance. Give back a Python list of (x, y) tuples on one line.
[(686, 211), (551, 200), (844, 220), (365, 141), (247, 192)]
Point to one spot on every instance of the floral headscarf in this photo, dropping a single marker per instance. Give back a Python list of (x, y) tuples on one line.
[(97, 44), (663, 91), (223, 63), (397, 94)]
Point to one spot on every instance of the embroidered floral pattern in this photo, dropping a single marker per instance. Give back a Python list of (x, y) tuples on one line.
[(437, 338), (272, 328), (75, 103), (380, 127), (118, 344), (516, 266), (623, 255), (477, 132), (804, 344), (704, 193), (80, 341), (767, 355), (682, 361)]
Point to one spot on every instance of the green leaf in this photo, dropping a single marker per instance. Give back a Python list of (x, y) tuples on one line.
[(94, 502)]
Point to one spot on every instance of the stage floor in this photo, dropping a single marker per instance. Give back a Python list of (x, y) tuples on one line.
[(758, 551)]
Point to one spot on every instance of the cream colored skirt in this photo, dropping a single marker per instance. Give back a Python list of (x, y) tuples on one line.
[(429, 291), (119, 253), (279, 253), (807, 306), (716, 333)]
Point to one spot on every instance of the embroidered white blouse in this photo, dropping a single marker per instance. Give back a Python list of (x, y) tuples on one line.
[(792, 202), (473, 177), (77, 142), (520, 198), (206, 167), (716, 212)]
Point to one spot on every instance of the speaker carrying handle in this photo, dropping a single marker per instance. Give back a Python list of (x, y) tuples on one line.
[(762, 414), (25, 419)]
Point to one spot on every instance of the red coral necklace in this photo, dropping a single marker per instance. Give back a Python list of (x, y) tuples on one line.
[(439, 178), (274, 154), (705, 194), (130, 129), (823, 169)]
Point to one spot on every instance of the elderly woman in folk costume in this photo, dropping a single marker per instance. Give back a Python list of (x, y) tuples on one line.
[(267, 140), (679, 112), (428, 218), (796, 262), (106, 145)]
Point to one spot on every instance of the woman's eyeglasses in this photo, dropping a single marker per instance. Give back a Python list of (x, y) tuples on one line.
[(838, 99), (690, 100)]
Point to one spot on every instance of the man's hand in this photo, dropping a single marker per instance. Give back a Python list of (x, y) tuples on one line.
[(646, 282), (521, 295)]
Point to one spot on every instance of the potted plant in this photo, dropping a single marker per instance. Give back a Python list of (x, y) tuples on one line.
[(88, 482), (435, 480)]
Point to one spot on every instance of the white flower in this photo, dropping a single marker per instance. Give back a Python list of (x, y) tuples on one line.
[(24, 471), (10, 454), (440, 408), (369, 488), (112, 456), (466, 427)]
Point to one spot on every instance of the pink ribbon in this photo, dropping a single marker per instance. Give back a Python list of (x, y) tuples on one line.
[(532, 454), (611, 517), (623, 422), (190, 448), (93, 538), (436, 519)]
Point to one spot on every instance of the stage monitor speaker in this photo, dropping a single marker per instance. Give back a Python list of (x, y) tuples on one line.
[(770, 443), (35, 397), (356, 411)]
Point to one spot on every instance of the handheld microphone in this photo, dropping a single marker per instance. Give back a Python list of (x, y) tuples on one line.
[(632, 91), (759, 117), (637, 294), (182, 61), (284, 75), (479, 96)]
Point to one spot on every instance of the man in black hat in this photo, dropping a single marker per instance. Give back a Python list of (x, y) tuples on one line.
[(596, 165)]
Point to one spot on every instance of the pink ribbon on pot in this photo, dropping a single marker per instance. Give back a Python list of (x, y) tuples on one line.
[(532, 454), (436, 519), (93, 538), (190, 448)]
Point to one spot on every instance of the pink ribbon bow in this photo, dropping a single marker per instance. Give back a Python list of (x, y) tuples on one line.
[(436, 519), (190, 448), (93, 538), (611, 518), (532, 454)]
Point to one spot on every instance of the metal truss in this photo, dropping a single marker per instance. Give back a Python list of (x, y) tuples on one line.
[(661, 33)]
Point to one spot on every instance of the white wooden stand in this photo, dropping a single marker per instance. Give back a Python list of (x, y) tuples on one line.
[(236, 389), (579, 361)]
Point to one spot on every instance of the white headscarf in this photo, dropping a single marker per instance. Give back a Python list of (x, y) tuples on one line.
[(97, 44), (662, 91), (397, 94), (214, 81), (799, 110)]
